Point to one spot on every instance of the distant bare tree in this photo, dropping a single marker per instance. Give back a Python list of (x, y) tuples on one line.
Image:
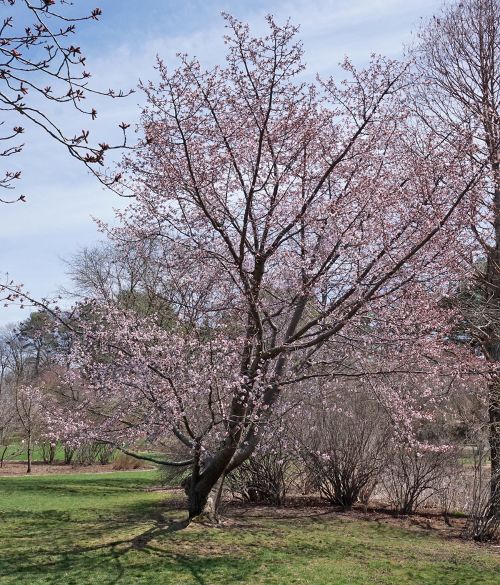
[(28, 407), (124, 277)]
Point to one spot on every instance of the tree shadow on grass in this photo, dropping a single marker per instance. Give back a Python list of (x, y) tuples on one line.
[(49, 546), (141, 543)]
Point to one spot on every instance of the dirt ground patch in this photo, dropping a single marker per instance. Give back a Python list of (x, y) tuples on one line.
[(306, 508), (11, 468)]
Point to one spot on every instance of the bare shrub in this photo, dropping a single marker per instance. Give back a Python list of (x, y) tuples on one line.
[(445, 496), (367, 491), (69, 453), (84, 455), (104, 454), (91, 453), (344, 452), (125, 462), (266, 477), (48, 451), (413, 476), (451, 492), (483, 521)]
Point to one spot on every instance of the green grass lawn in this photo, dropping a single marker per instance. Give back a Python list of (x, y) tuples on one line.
[(109, 529), (17, 452)]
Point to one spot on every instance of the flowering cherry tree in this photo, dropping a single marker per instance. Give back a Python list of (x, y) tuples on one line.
[(40, 64), (291, 224)]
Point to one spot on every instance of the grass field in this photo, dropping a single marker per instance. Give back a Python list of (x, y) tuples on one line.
[(111, 529), (17, 452)]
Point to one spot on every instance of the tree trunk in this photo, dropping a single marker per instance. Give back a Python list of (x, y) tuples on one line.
[(204, 503), (2, 457), (29, 454), (493, 277), (494, 440)]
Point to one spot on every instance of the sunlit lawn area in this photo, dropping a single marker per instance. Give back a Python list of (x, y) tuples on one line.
[(17, 452), (110, 528)]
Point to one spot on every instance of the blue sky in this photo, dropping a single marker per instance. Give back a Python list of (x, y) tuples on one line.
[(56, 221)]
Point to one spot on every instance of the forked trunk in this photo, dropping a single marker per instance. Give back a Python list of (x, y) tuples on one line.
[(203, 502)]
